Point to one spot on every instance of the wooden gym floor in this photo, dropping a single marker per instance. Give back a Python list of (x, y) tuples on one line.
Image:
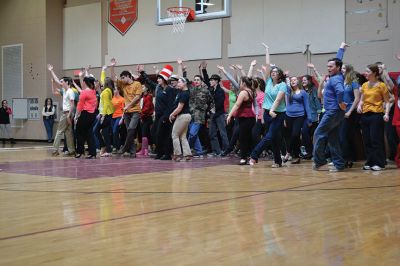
[(117, 211)]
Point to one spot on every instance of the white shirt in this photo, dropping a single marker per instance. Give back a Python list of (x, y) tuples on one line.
[(67, 97)]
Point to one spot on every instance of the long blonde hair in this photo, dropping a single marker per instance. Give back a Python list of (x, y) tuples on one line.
[(350, 75)]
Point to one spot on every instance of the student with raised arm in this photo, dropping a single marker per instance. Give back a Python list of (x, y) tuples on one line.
[(297, 111), (85, 117), (273, 110), (132, 94), (65, 122), (201, 103), (374, 95), (233, 126), (165, 96), (327, 132), (244, 111), (217, 120), (106, 110)]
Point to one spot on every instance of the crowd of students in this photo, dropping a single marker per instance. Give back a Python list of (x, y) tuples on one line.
[(270, 113)]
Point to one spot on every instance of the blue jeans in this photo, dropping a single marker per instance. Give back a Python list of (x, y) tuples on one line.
[(327, 133), (48, 123), (272, 138), (115, 133), (194, 140), (95, 127)]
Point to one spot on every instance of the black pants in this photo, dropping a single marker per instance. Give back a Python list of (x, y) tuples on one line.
[(372, 125), (84, 133), (146, 123), (163, 137), (294, 125), (246, 125)]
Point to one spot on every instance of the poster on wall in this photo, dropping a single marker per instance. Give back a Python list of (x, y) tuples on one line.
[(33, 109), (122, 14)]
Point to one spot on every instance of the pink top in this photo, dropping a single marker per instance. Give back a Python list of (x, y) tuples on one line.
[(87, 101), (260, 100)]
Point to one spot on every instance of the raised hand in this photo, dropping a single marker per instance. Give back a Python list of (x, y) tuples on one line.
[(344, 45), (140, 68), (179, 61), (104, 68), (221, 68), (266, 46), (253, 63), (203, 64), (309, 65), (50, 67), (240, 67), (264, 68), (184, 67), (113, 62), (156, 70)]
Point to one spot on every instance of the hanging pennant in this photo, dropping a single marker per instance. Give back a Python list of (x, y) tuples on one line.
[(122, 14)]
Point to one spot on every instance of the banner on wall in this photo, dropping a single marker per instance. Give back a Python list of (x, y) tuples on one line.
[(122, 14)]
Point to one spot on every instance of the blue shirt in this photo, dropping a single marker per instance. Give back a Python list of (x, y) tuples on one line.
[(271, 92), (348, 96), (333, 92), (297, 104)]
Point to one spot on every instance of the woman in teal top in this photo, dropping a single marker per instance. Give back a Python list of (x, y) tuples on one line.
[(274, 108)]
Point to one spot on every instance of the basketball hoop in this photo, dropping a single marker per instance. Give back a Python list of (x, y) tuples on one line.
[(179, 16)]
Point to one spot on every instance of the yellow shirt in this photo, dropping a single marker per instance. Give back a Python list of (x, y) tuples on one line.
[(374, 97), (130, 92), (106, 106)]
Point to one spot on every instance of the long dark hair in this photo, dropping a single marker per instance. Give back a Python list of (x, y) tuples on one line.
[(109, 83), (89, 81), (51, 104), (251, 84)]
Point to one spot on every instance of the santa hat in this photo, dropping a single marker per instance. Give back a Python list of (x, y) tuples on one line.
[(166, 72)]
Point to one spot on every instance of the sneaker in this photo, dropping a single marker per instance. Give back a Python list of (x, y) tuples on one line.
[(275, 165), (366, 167), (316, 167), (214, 154), (69, 154), (377, 168), (198, 156), (242, 162), (253, 161), (330, 164), (334, 170)]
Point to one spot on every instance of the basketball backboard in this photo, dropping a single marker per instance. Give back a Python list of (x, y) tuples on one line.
[(205, 9)]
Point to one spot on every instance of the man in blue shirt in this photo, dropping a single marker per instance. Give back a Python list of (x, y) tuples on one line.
[(327, 132)]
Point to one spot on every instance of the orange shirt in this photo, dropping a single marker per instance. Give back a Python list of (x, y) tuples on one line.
[(118, 102), (130, 92), (374, 97)]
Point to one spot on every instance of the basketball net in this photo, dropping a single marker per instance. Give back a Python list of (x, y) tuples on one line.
[(179, 15)]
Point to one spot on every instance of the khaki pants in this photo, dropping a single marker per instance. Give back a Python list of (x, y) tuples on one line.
[(179, 131), (64, 127)]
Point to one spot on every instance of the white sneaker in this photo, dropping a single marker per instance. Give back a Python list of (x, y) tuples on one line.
[(376, 168), (366, 167)]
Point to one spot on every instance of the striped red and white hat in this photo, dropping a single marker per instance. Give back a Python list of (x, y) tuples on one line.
[(166, 72)]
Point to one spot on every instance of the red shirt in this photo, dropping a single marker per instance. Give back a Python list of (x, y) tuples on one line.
[(87, 101), (148, 106)]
